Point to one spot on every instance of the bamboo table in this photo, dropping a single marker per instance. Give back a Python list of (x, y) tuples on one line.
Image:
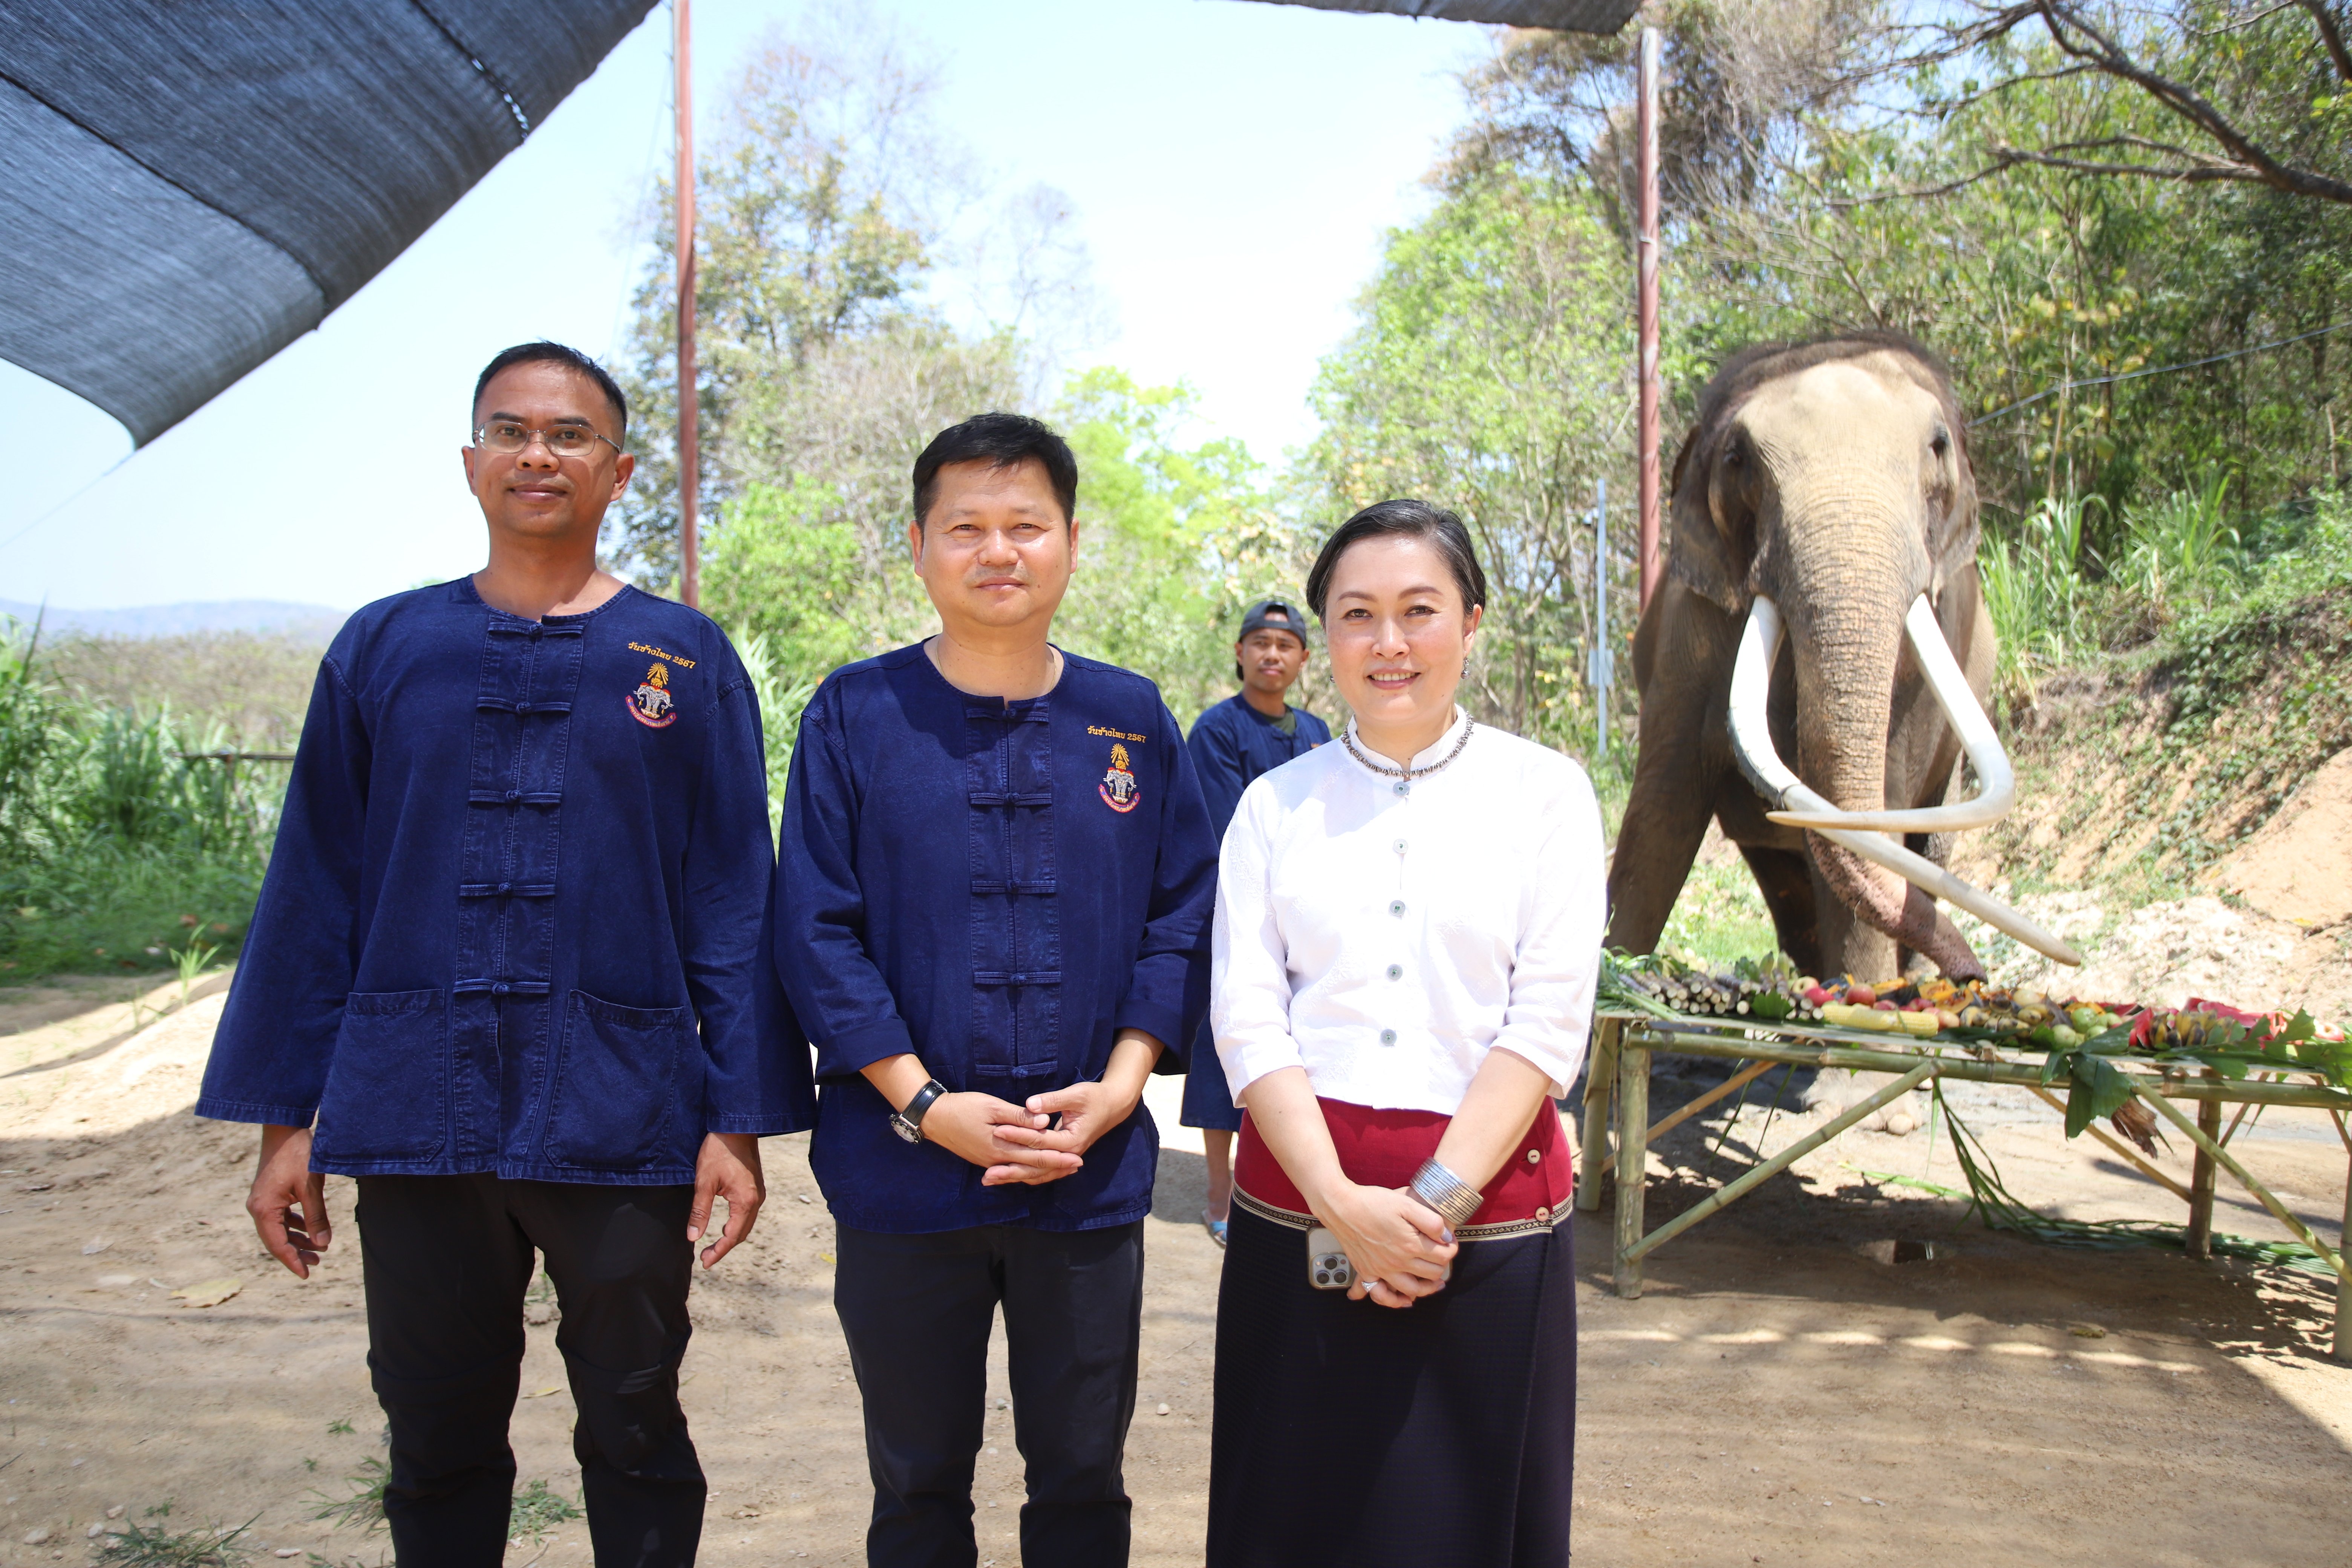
[(1622, 1044)]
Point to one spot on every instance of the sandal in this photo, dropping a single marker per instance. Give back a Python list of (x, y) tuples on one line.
[(1216, 1227)]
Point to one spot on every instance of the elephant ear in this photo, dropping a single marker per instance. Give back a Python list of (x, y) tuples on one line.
[(1953, 532), (1707, 560)]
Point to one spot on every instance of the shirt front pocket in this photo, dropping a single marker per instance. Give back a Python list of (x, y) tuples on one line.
[(387, 1094), (614, 1097)]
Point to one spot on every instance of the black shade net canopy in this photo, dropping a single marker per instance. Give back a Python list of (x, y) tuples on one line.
[(189, 185)]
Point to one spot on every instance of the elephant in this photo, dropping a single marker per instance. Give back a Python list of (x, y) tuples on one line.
[(1825, 488)]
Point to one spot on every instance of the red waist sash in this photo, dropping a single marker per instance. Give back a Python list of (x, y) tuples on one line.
[(1384, 1148)]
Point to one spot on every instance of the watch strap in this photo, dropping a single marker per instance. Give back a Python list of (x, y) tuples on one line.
[(913, 1113)]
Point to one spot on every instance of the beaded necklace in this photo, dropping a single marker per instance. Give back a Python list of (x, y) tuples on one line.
[(1404, 776)]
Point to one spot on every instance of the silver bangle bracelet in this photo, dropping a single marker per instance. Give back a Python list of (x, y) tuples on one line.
[(1454, 1199)]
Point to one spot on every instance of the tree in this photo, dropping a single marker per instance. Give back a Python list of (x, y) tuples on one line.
[(1176, 539), (816, 207), (1491, 371), (2253, 94)]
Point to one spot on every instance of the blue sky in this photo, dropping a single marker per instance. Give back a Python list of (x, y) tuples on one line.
[(1232, 167)]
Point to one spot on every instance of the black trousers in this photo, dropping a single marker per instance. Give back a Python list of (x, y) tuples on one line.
[(447, 1260), (917, 1311)]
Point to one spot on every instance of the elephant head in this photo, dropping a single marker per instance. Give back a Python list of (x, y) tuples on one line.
[(1826, 490)]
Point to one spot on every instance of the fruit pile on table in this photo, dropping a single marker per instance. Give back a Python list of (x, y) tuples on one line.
[(1770, 991)]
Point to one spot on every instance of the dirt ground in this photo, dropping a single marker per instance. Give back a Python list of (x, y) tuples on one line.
[(1777, 1397)]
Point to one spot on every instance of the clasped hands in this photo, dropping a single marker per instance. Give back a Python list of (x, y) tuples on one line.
[(1020, 1144), (1401, 1247)]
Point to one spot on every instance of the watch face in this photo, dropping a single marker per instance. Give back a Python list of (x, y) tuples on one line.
[(906, 1129)]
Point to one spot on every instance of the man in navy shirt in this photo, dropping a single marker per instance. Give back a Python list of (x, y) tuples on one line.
[(514, 956), (1251, 732), (993, 888)]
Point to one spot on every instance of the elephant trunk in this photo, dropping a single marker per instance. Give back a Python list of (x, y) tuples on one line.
[(1846, 657)]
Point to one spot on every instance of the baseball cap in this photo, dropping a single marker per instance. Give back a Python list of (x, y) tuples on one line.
[(1273, 614)]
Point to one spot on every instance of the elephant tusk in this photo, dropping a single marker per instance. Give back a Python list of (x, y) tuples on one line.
[(1997, 796), (1752, 742)]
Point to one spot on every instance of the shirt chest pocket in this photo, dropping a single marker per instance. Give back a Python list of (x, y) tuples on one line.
[(619, 1081)]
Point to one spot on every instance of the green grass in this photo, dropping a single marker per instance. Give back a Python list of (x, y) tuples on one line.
[(142, 1547), (113, 909), (363, 1509), (117, 853), (538, 1511)]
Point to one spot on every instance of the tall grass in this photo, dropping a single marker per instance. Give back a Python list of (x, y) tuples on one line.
[(117, 852), (2183, 552), (2178, 564), (2036, 593)]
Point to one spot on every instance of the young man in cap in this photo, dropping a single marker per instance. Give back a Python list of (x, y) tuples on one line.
[(994, 886), (513, 956), (1250, 733)]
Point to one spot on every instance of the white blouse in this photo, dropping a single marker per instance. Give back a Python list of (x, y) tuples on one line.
[(1387, 939)]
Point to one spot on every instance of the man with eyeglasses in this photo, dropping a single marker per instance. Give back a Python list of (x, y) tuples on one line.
[(512, 969)]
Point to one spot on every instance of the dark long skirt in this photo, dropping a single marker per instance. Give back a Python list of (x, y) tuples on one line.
[(1440, 1434)]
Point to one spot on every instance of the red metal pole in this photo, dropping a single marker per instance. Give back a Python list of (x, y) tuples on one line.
[(689, 468), (1646, 249)]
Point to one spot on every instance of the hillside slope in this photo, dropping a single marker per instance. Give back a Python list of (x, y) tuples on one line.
[(2185, 817)]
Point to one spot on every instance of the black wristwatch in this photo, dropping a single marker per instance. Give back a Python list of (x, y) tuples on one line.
[(908, 1124)]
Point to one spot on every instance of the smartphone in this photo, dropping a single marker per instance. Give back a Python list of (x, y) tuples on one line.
[(1328, 1268)]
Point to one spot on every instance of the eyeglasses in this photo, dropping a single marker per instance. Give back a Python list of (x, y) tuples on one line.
[(506, 437)]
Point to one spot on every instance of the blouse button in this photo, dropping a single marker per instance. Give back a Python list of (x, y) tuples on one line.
[(513, 795), (1534, 1156), (1388, 1036), (500, 989), (1396, 971), (1398, 846), (1396, 907), (1402, 787), (522, 707), (505, 886)]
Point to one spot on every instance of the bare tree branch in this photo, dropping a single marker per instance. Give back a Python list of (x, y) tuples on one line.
[(2095, 47), (2195, 174)]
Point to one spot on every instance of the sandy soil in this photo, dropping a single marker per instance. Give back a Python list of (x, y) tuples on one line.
[(1777, 1396)]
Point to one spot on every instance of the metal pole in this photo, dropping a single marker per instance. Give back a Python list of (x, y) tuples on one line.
[(689, 463), (1646, 274), (1603, 657)]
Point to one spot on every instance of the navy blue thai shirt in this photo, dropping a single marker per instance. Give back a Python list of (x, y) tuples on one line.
[(999, 887), (518, 918), (1231, 743)]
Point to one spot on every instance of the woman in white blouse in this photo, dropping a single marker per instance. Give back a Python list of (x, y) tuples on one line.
[(1408, 931)]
